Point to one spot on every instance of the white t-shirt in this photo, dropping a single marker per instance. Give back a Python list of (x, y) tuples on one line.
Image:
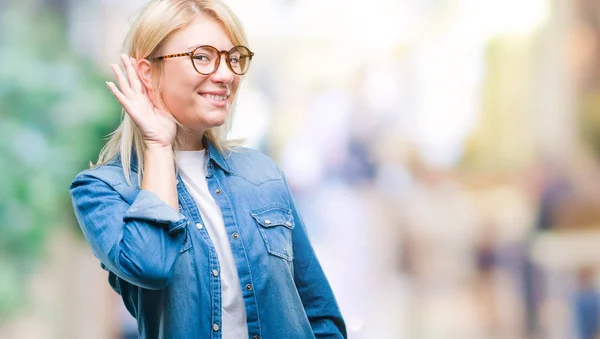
[(193, 172)]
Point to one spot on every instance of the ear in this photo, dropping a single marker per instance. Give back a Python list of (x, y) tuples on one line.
[(144, 70)]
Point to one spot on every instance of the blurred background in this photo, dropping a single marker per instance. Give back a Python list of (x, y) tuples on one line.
[(444, 155)]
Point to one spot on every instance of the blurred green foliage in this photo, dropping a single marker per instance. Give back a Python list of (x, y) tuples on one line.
[(54, 112)]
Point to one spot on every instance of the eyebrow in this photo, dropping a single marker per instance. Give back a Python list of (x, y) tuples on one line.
[(196, 46)]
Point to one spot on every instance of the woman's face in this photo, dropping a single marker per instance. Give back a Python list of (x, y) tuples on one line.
[(197, 101)]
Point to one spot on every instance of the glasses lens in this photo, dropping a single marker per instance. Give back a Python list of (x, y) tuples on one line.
[(239, 59), (205, 58)]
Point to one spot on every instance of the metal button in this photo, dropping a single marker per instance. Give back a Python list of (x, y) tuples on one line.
[(215, 273), (268, 222), (215, 327), (288, 223), (218, 191), (249, 287), (235, 235), (199, 226), (256, 337)]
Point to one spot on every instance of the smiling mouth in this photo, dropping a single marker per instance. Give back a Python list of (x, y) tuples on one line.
[(215, 97)]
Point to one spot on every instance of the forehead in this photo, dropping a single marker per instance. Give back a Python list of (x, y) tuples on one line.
[(203, 30)]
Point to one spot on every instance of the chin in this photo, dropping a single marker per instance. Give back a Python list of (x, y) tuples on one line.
[(215, 121)]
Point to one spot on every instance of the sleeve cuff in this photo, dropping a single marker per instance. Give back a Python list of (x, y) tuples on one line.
[(149, 207)]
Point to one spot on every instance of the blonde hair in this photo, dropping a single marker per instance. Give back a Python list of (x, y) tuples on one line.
[(155, 24)]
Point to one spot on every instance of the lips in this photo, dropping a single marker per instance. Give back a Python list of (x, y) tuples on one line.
[(214, 97)]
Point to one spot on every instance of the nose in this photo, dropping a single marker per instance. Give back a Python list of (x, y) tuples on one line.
[(223, 74)]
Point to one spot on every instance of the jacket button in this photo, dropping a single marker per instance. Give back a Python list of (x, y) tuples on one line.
[(268, 222), (215, 273), (215, 327), (249, 287), (218, 191), (235, 235), (199, 226), (256, 337)]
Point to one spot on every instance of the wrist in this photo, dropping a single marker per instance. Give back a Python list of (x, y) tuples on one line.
[(157, 148), (158, 153)]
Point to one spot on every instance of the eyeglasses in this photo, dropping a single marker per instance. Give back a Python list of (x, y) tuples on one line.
[(206, 59)]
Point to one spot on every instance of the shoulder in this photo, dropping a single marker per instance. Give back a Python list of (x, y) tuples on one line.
[(251, 163), (103, 182), (110, 173), (241, 154), (244, 158)]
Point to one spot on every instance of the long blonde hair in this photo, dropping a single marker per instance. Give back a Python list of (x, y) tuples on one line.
[(156, 22)]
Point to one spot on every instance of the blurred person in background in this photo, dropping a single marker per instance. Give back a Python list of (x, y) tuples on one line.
[(586, 304), (554, 191), (201, 237)]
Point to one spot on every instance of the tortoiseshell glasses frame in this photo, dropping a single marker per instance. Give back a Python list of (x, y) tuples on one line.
[(241, 63)]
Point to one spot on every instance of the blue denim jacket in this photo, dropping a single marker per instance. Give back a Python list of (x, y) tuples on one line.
[(165, 267)]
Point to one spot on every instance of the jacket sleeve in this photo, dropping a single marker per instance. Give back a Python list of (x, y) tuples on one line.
[(315, 292), (138, 242)]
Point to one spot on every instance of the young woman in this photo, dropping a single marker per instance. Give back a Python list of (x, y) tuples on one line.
[(201, 238)]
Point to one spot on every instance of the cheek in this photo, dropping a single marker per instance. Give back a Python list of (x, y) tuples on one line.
[(180, 92), (173, 100)]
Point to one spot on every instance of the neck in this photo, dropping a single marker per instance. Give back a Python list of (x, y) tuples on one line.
[(190, 141)]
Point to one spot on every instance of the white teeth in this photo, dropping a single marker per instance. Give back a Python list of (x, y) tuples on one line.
[(215, 97)]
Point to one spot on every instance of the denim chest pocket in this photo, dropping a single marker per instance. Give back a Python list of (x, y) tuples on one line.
[(275, 224)]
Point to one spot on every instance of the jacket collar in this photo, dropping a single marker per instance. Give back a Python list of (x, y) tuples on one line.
[(214, 155)]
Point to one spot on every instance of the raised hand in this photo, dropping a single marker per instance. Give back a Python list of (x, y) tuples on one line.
[(156, 124)]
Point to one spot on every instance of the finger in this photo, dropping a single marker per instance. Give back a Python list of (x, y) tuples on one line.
[(132, 77), (122, 99), (121, 80), (138, 81)]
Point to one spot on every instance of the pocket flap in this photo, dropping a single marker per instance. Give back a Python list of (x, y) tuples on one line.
[(274, 216)]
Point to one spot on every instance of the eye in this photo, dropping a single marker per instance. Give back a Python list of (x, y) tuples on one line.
[(234, 60), (201, 57)]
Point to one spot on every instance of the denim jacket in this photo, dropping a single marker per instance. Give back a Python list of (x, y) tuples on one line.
[(165, 267)]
